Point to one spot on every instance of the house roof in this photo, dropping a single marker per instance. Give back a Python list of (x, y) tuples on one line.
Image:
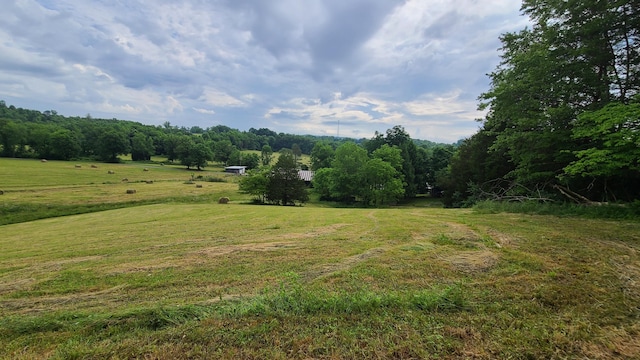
[(306, 175)]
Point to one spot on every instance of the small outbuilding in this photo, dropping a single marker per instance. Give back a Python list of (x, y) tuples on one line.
[(306, 175), (240, 170)]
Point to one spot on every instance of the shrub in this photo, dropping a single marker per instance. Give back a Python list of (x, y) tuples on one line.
[(213, 179)]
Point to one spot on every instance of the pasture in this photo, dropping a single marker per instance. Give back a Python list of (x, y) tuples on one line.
[(168, 273)]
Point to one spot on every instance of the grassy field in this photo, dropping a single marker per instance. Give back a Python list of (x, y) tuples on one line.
[(34, 190), (172, 274)]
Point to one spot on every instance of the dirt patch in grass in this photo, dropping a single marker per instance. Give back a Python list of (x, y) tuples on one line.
[(473, 346), (311, 234), (47, 303), (196, 257), (500, 239), (228, 249), (461, 231), (76, 260), (329, 269), (226, 297), (18, 284), (629, 275), (473, 261), (615, 343), (328, 229), (137, 267), (23, 278)]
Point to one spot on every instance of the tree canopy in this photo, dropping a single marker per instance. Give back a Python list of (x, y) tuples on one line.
[(279, 184), (355, 176), (561, 108)]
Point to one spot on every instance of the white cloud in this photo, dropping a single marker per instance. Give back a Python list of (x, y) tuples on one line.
[(215, 97), (204, 111), (92, 70), (288, 65), (442, 104)]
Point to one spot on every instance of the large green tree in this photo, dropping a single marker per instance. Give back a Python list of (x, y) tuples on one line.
[(266, 154), (347, 163), (222, 151), (472, 164), (380, 183), (64, 145), (11, 136), (354, 176), (250, 160), (414, 166), (141, 147), (321, 155), (578, 56), (610, 158), (256, 183), (285, 186), (111, 143), (193, 154), (39, 139)]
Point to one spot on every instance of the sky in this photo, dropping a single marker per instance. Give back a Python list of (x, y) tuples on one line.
[(346, 68)]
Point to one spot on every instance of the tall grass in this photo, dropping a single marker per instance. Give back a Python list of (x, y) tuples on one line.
[(291, 297), (604, 211), (12, 213)]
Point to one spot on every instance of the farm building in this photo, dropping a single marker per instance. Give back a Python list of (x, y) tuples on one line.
[(240, 170), (306, 175)]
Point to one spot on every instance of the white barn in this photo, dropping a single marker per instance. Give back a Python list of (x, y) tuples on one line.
[(240, 170)]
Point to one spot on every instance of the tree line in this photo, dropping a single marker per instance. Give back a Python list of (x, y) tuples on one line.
[(563, 120), (379, 171), (28, 133)]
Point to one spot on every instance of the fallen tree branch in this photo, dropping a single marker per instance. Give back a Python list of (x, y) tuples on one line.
[(577, 198), (502, 190)]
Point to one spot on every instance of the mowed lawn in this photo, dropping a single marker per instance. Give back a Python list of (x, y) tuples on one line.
[(207, 280), (33, 189), (81, 183)]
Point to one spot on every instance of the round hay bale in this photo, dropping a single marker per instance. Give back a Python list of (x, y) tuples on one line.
[(111, 172), (223, 200), (149, 181), (131, 191), (43, 160), (94, 166), (145, 169), (125, 180), (198, 185), (1, 192), (78, 166)]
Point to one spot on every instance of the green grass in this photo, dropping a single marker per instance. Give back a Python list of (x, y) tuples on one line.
[(171, 274), (601, 211), (34, 190)]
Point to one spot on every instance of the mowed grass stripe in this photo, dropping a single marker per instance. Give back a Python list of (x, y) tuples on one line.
[(240, 247)]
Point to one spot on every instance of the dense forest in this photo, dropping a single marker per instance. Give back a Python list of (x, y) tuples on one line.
[(31, 133), (563, 119)]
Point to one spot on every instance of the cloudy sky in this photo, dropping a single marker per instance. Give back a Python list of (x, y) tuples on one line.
[(321, 67)]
